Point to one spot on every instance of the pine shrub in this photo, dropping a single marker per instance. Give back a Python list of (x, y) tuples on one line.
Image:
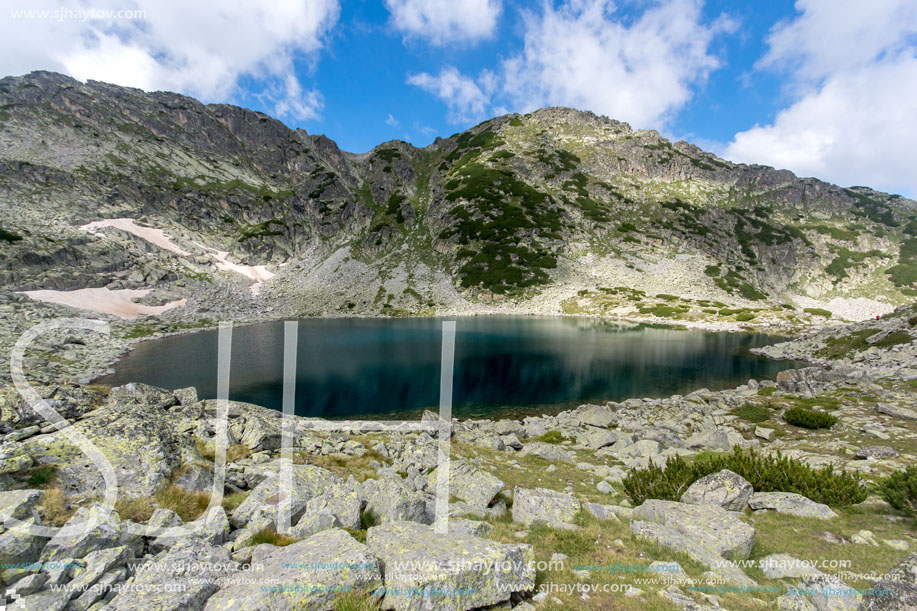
[(809, 419), (900, 490), (765, 472)]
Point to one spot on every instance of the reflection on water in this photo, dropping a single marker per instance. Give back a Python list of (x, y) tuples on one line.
[(353, 367)]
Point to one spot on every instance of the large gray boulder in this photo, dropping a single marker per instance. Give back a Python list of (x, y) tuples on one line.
[(308, 574), (828, 593), (469, 484), (596, 438), (789, 503), (453, 571), (600, 416), (546, 451), (781, 566), (724, 488), (709, 525), (897, 589), (75, 541), (544, 506), (134, 431), (343, 502), (390, 500), (897, 411), (180, 578), (265, 500), (18, 504)]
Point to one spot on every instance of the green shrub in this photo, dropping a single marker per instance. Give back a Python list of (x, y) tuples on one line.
[(713, 271), (818, 312), (894, 339), (745, 316), (767, 391), (41, 476), (664, 311), (765, 472), (900, 490), (809, 419), (9, 236)]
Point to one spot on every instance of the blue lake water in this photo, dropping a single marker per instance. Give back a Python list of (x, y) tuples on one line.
[(508, 365)]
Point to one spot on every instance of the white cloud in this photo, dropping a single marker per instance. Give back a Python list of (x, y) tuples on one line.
[(853, 75), (444, 21), (466, 99), (392, 120), (200, 48), (582, 54)]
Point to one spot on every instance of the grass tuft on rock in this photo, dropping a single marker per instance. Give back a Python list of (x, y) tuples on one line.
[(356, 601), (765, 472), (270, 536)]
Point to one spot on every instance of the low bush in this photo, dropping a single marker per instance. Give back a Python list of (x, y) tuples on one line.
[(809, 419), (270, 536), (767, 391), (765, 472), (900, 490), (752, 413), (745, 316), (552, 437), (818, 312), (187, 504)]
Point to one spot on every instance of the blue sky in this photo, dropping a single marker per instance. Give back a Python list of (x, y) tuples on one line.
[(826, 88)]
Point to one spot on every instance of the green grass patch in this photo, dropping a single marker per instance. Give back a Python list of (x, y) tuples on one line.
[(554, 437), (845, 345), (767, 391), (752, 413), (818, 312)]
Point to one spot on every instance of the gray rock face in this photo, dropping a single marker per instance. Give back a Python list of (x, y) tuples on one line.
[(898, 590), (543, 506), (264, 501), (469, 484), (598, 438), (343, 502), (308, 574), (897, 411), (133, 430), (178, 579), (877, 452), (456, 571), (725, 488), (708, 525), (107, 533), (828, 593), (546, 451), (780, 566), (18, 504), (392, 501), (790, 503), (601, 416)]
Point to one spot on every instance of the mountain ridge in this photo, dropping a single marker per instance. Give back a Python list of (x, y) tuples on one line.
[(554, 211)]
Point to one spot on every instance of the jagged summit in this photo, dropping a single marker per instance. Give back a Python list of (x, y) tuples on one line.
[(541, 211)]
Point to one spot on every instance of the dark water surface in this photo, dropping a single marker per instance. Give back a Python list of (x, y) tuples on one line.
[(503, 365)]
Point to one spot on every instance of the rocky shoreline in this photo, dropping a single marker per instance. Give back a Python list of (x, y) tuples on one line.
[(523, 495)]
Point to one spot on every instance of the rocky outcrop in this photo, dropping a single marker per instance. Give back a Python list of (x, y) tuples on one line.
[(725, 489), (789, 503), (544, 506)]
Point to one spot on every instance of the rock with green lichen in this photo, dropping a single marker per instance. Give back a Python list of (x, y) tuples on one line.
[(449, 572), (307, 482), (727, 489), (543, 506)]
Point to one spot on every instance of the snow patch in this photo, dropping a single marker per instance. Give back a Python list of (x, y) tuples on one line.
[(105, 301)]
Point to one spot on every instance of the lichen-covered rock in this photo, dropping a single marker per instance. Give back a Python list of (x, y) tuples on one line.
[(82, 540), (789, 503), (600, 416), (779, 566), (699, 551), (18, 546), (133, 430), (709, 525), (469, 484), (729, 490), (546, 451), (897, 590), (180, 578), (877, 452), (308, 574), (828, 593), (390, 500), (543, 506), (897, 411), (265, 500), (344, 502), (97, 564), (794, 602), (597, 438), (449, 572), (18, 504)]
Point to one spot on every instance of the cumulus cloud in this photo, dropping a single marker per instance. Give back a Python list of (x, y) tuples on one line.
[(200, 48), (583, 54), (445, 21), (465, 98), (852, 72)]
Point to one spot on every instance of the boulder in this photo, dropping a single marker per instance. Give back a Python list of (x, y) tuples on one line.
[(600, 416), (180, 578), (390, 500), (828, 593), (18, 504), (453, 571), (896, 590), (308, 574), (469, 484), (343, 502), (134, 431), (265, 500), (876, 452), (19, 547), (543, 506), (789, 503), (597, 438), (725, 488), (780, 566), (546, 451), (709, 525), (897, 411), (106, 533)]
